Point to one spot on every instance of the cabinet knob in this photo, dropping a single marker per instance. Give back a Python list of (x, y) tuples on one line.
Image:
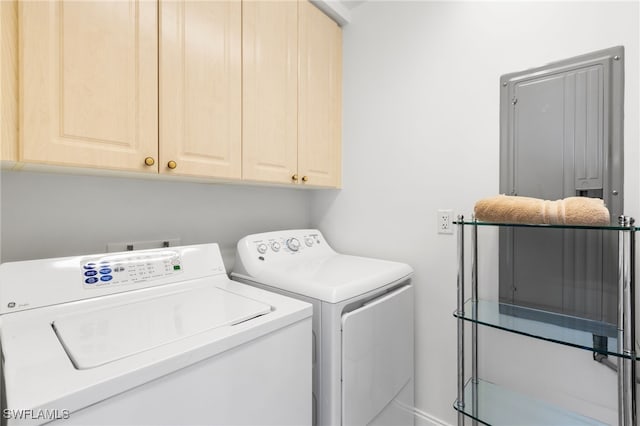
[(294, 178), (149, 161), (305, 178), (172, 164)]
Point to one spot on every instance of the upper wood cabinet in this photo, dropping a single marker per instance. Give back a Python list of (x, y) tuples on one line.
[(270, 90), (225, 89), (88, 83), (319, 98), (9, 80), (201, 88), (292, 59)]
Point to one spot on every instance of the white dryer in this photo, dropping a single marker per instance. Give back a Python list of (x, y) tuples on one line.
[(362, 323), (149, 337)]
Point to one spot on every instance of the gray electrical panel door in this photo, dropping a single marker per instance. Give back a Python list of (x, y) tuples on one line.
[(561, 136)]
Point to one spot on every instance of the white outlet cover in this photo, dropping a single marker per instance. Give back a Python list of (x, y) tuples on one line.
[(445, 221)]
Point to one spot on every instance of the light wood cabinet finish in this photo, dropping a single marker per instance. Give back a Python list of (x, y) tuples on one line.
[(320, 98), (201, 88), (9, 80), (89, 87), (226, 89), (270, 90)]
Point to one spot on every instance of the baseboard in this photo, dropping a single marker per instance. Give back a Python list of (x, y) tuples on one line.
[(420, 417), (426, 419)]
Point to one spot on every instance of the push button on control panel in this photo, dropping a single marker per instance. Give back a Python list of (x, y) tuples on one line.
[(106, 278), (90, 273), (91, 280), (105, 271)]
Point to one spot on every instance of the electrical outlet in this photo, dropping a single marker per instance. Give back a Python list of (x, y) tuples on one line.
[(445, 225)]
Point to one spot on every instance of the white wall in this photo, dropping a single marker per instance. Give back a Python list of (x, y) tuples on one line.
[(420, 133), (421, 118), (50, 215)]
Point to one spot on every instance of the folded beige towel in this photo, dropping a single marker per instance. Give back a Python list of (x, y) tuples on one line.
[(569, 211)]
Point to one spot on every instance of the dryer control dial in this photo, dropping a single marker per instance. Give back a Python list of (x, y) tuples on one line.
[(293, 244), (262, 248), (275, 246), (308, 241)]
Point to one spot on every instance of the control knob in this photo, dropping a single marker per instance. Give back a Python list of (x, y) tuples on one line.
[(262, 248), (293, 244), (308, 241), (275, 246)]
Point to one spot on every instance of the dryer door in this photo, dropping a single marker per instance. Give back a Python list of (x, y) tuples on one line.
[(377, 360)]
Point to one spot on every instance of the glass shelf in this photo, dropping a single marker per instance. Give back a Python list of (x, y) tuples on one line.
[(558, 328), (494, 405), (544, 226)]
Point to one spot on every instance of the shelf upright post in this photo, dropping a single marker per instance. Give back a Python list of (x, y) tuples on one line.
[(460, 310), (626, 323), (474, 325), (620, 322)]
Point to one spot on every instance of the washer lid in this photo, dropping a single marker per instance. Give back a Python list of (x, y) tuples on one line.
[(333, 278), (101, 336)]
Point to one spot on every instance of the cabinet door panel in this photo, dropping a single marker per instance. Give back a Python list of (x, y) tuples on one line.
[(200, 88), (270, 85), (89, 86), (320, 98), (9, 80)]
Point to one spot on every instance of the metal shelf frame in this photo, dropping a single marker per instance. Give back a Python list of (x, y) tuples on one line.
[(625, 327)]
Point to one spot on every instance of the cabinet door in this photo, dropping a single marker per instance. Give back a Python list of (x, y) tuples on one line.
[(89, 86), (8, 80), (270, 90), (200, 88), (320, 98)]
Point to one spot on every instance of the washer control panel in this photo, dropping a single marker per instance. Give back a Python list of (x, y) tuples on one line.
[(294, 247), (109, 270), (38, 283), (284, 243)]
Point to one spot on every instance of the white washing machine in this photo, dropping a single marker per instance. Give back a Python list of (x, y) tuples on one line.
[(362, 323), (152, 337)]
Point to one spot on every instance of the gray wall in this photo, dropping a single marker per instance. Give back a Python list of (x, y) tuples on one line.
[(51, 215)]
